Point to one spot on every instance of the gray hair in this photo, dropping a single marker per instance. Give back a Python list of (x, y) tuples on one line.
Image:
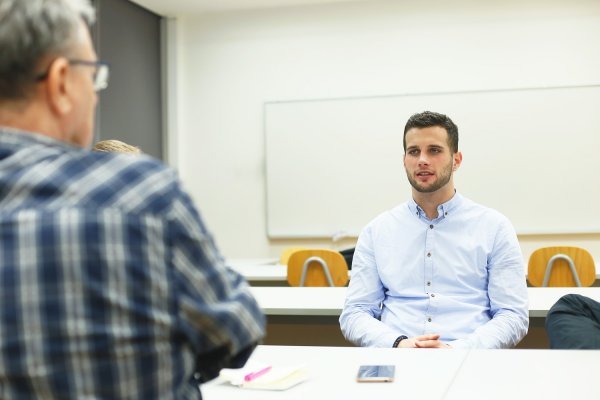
[(31, 30)]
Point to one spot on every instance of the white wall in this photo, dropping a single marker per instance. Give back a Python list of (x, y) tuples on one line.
[(229, 64)]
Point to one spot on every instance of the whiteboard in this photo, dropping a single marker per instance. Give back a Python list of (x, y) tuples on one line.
[(533, 154)]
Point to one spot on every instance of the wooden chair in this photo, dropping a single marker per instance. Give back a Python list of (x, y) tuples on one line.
[(348, 255), (317, 267), (287, 252), (561, 266)]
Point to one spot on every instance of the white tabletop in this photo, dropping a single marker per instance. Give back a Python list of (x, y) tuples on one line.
[(330, 301), (541, 299), (300, 300), (241, 262), (333, 372), (427, 374), (258, 272), (268, 269), (527, 374)]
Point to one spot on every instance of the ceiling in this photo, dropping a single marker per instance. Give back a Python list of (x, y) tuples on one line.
[(173, 8)]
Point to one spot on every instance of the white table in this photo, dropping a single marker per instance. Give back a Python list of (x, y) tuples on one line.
[(300, 300), (262, 272), (310, 316), (269, 270), (233, 262), (527, 374), (541, 299), (258, 273), (428, 374), (333, 372), (310, 301)]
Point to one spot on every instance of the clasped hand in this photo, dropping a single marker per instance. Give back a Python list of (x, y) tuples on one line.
[(429, 341)]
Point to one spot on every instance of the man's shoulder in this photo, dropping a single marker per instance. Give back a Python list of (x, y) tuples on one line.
[(124, 180), (70, 177), (30, 151), (472, 209), (123, 171), (393, 215), (480, 218), (123, 163)]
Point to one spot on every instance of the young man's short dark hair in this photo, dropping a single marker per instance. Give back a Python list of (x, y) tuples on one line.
[(429, 118)]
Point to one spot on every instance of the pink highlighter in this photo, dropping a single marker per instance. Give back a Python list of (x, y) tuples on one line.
[(253, 375)]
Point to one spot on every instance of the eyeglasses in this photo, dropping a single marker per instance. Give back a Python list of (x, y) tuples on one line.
[(100, 76)]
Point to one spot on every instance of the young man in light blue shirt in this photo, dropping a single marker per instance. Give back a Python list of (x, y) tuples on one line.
[(438, 271)]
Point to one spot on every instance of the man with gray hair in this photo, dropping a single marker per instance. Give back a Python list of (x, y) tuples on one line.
[(111, 286)]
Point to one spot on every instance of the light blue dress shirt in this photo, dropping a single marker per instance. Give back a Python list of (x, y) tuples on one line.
[(460, 275)]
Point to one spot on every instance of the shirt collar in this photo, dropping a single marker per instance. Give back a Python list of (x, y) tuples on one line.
[(444, 209), (18, 138)]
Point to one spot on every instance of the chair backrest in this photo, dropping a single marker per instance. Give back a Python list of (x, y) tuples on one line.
[(561, 266), (287, 252), (348, 255), (317, 267)]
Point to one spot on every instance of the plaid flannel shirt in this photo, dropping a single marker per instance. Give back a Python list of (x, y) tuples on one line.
[(110, 285)]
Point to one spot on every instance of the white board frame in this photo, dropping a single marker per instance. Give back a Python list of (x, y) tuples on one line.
[(532, 153)]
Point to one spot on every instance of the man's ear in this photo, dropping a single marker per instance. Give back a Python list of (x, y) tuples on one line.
[(457, 160), (58, 87)]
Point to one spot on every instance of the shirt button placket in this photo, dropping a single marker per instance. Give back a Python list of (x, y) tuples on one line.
[(429, 244), (430, 271)]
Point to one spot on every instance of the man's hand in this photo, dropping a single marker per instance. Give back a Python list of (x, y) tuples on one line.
[(430, 341)]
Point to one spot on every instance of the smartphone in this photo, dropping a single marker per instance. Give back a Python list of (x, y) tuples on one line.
[(376, 373)]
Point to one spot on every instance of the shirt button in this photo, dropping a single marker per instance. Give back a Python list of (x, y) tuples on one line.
[(445, 213), (431, 226), (432, 294), (428, 319), (428, 283), (428, 254)]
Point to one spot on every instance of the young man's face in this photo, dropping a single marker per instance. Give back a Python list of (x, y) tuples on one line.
[(429, 161)]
